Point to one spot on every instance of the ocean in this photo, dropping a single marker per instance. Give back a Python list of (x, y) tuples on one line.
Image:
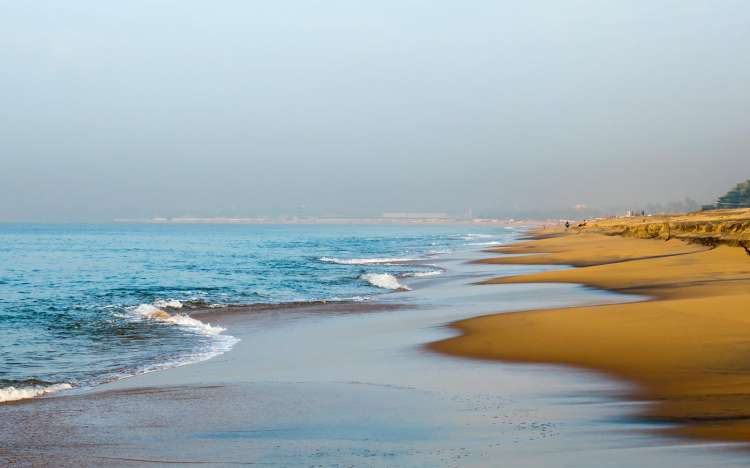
[(85, 304)]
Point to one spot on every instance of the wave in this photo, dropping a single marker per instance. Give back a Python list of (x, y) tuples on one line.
[(185, 304), (169, 303), (21, 391), (347, 299), (219, 343), (385, 281), (155, 313), (423, 274), (365, 261)]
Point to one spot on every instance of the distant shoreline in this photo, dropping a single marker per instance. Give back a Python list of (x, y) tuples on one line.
[(342, 220)]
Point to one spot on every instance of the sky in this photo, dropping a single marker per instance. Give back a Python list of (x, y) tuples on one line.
[(193, 108)]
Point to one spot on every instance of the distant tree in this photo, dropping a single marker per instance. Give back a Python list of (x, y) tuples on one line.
[(738, 197)]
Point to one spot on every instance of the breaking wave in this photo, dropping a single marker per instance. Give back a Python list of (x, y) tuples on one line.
[(155, 313), (170, 303), (385, 281), (22, 391), (423, 274)]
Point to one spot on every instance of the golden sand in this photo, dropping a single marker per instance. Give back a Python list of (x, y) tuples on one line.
[(687, 350), (587, 249)]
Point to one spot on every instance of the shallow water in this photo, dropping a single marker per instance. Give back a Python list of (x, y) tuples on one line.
[(352, 385), (77, 301)]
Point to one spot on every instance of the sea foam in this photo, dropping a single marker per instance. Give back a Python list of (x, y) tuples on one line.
[(422, 274), (152, 312), (384, 280), (220, 343), (170, 303), (22, 393)]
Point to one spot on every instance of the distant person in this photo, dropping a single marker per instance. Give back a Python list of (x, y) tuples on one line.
[(567, 224)]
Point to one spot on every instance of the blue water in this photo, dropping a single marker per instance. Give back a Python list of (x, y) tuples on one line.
[(72, 297)]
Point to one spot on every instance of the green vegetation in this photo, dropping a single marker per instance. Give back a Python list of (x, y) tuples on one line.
[(738, 197)]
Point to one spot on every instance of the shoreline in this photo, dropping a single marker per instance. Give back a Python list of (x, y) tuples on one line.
[(326, 385), (339, 383), (219, 317), (680, 349)]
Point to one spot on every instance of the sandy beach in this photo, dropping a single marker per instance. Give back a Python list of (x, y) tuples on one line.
[(683, 349)]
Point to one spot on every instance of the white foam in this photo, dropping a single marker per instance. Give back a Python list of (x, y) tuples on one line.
[(221, 345), (348, 299), (22, 393), (364, 261), (154, 313), (422, 274), (171, 303), (189, 322), (384, 280), (146, 310)]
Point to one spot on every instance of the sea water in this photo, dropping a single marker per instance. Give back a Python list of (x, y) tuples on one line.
[(86, 304)]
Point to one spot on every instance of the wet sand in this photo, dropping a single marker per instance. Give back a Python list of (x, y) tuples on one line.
[(353, 385), (685, 351)]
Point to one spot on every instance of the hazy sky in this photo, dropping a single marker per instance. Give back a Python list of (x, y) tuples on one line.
[(142, 108)]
